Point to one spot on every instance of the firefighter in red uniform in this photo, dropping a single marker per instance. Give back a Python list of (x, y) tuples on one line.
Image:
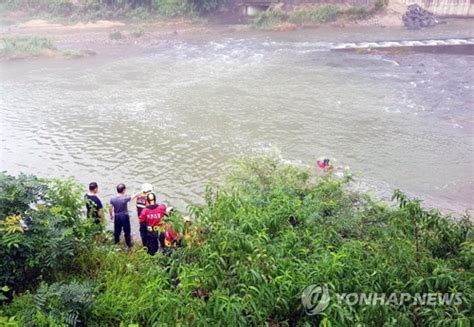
[(170, 239), (324, 164), (152, 216), (142, 202)]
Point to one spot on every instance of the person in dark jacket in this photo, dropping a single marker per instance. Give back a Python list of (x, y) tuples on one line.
[(94, 206)]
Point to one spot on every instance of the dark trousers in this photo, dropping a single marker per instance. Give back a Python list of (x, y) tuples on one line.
[(143, 232), (152, 243), (122, 222)]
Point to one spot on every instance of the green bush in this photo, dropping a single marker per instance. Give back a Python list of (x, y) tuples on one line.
[(270, 17), (139, 13), (111, 9), (41, 229), (205, 6), (53, 7), (259, 240), (322, 14), (170, 8), (62, 303), (313, 15), (380, 4), (18, 46), (18, 193), (358, 12)]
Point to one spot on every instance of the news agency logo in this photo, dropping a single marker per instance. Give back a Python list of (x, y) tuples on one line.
[(316, 299)]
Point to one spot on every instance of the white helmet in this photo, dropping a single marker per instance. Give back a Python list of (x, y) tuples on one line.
[(147, 188)]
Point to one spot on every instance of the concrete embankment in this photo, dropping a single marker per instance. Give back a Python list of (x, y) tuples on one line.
[(446, 8)]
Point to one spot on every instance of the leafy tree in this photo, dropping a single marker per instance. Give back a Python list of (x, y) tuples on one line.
[(42, 229)]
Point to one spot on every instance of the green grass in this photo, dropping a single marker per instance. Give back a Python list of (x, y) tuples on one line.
[(26, 46), (18, 47), (269, 231), (269, 18), (322, 14), (358, 12), (73, 53), (274, 17), (306, 15), (73, 11)]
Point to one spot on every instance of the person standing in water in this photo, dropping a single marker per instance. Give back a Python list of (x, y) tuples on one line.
[(142, 202), (119, 214), (94, 206), (324, 164)]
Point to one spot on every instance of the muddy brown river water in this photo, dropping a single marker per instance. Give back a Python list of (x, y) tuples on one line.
[(175, 112)]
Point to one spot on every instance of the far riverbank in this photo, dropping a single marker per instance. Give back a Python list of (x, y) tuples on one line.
[(117, 37)]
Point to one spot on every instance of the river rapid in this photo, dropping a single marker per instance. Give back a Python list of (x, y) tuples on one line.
[(175, 112)]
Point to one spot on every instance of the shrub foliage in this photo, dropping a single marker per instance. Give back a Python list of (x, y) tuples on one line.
[(25, 45), (41, 230), (269, 231), (113, 9)]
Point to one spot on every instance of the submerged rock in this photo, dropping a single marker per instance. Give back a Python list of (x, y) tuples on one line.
[(416, 17)]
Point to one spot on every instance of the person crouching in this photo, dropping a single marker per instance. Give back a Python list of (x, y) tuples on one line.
[(152, 215), (170, 239)]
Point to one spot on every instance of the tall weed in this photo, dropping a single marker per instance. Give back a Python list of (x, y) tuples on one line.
[(262, 237)]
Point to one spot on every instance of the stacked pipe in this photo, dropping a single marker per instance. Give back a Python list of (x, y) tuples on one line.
[(417, 17)]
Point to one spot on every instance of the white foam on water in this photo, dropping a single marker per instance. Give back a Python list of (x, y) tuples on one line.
[(403, 43), (393, 62), (396, 111)]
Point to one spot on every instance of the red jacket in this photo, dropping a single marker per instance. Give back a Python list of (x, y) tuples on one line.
[(170, 234), (153, 215), (323, 166)]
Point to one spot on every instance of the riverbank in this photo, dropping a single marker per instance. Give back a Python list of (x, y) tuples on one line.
[(85, 36), (119, 37), (254, 254), (92, 37)]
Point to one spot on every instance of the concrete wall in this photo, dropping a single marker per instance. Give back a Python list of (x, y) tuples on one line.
[(447, 8), (289, 4), (443, 8)]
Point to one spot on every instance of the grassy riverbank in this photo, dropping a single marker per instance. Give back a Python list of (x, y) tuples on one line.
[(74, 11), (32, 27), (315, 15), (21, 47), (68, 11), (266, 234)]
